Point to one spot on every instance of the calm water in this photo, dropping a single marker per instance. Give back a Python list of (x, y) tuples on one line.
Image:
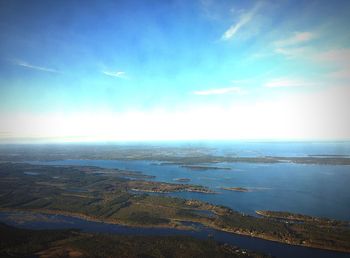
[(40, 221), (319, 190)]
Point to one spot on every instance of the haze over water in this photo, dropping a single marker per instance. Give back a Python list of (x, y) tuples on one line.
[(127, 84), (312, 189)]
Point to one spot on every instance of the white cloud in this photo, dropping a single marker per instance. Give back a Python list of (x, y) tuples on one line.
[(118, 74), (34, 67), (219, 91), (294, 52), (297, 38), (286, 82), (337, 60), (290, 47), (243, 20)]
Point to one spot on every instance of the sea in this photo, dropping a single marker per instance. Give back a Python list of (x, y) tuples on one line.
[(310, 189)]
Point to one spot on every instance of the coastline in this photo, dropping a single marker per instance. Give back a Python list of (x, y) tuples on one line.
[(174, 226)]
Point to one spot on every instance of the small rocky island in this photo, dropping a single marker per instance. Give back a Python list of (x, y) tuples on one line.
[(200, 167), (108, 197), (183, 180), (160, 187), (236, 189)]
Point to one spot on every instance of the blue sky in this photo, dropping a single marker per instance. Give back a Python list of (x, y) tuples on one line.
[(174, 70)]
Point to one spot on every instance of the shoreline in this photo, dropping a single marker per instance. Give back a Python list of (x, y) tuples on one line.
[(171, 226)]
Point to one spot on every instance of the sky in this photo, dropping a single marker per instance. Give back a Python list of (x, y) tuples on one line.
[(76, 71)]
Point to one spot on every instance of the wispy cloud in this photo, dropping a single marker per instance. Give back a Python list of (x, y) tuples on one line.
[(34, 67), (243, 20), (297, 38), (339, 56), (219, 91), (286, 83), (293, 52), (293, 47), (339, 59), (118, 74)]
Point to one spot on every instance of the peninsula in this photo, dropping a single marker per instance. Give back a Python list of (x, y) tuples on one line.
[(108, 197)]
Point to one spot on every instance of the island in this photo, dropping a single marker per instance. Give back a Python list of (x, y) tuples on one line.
[(183, 180), (108, 197), (201, 167), (161, 187), (235, 189)]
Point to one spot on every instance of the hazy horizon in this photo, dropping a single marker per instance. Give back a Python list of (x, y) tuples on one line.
[(135, 71)]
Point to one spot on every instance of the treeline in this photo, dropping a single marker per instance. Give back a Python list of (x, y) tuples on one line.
[(23, 243)]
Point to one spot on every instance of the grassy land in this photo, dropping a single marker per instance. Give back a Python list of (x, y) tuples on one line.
[(104, 195)]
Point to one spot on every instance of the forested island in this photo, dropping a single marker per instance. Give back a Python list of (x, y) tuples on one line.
[(202, 167), (108, 195), (235, 189)]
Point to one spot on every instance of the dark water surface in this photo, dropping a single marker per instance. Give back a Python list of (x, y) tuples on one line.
[(48, 221)]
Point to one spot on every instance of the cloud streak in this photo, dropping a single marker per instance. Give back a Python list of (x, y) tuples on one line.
[(340, 60), (34, 67), (118, 74), (336, 59), (243, 20), (293, 47), (293, 52), (219, 91), (297, 38)]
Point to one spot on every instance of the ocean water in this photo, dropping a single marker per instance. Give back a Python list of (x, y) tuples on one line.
[(317, 190)]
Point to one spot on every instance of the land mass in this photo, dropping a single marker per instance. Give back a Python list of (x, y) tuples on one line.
[(16, 242), (294, 217), (236, 189), (156, 154), (201, 167), (108, 197), (160, 187)]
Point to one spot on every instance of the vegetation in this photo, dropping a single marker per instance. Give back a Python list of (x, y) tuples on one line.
[(23, 242), (163, 155), (293, 217), (104, 195), (236, 189), (16, 242), (157, 187)]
